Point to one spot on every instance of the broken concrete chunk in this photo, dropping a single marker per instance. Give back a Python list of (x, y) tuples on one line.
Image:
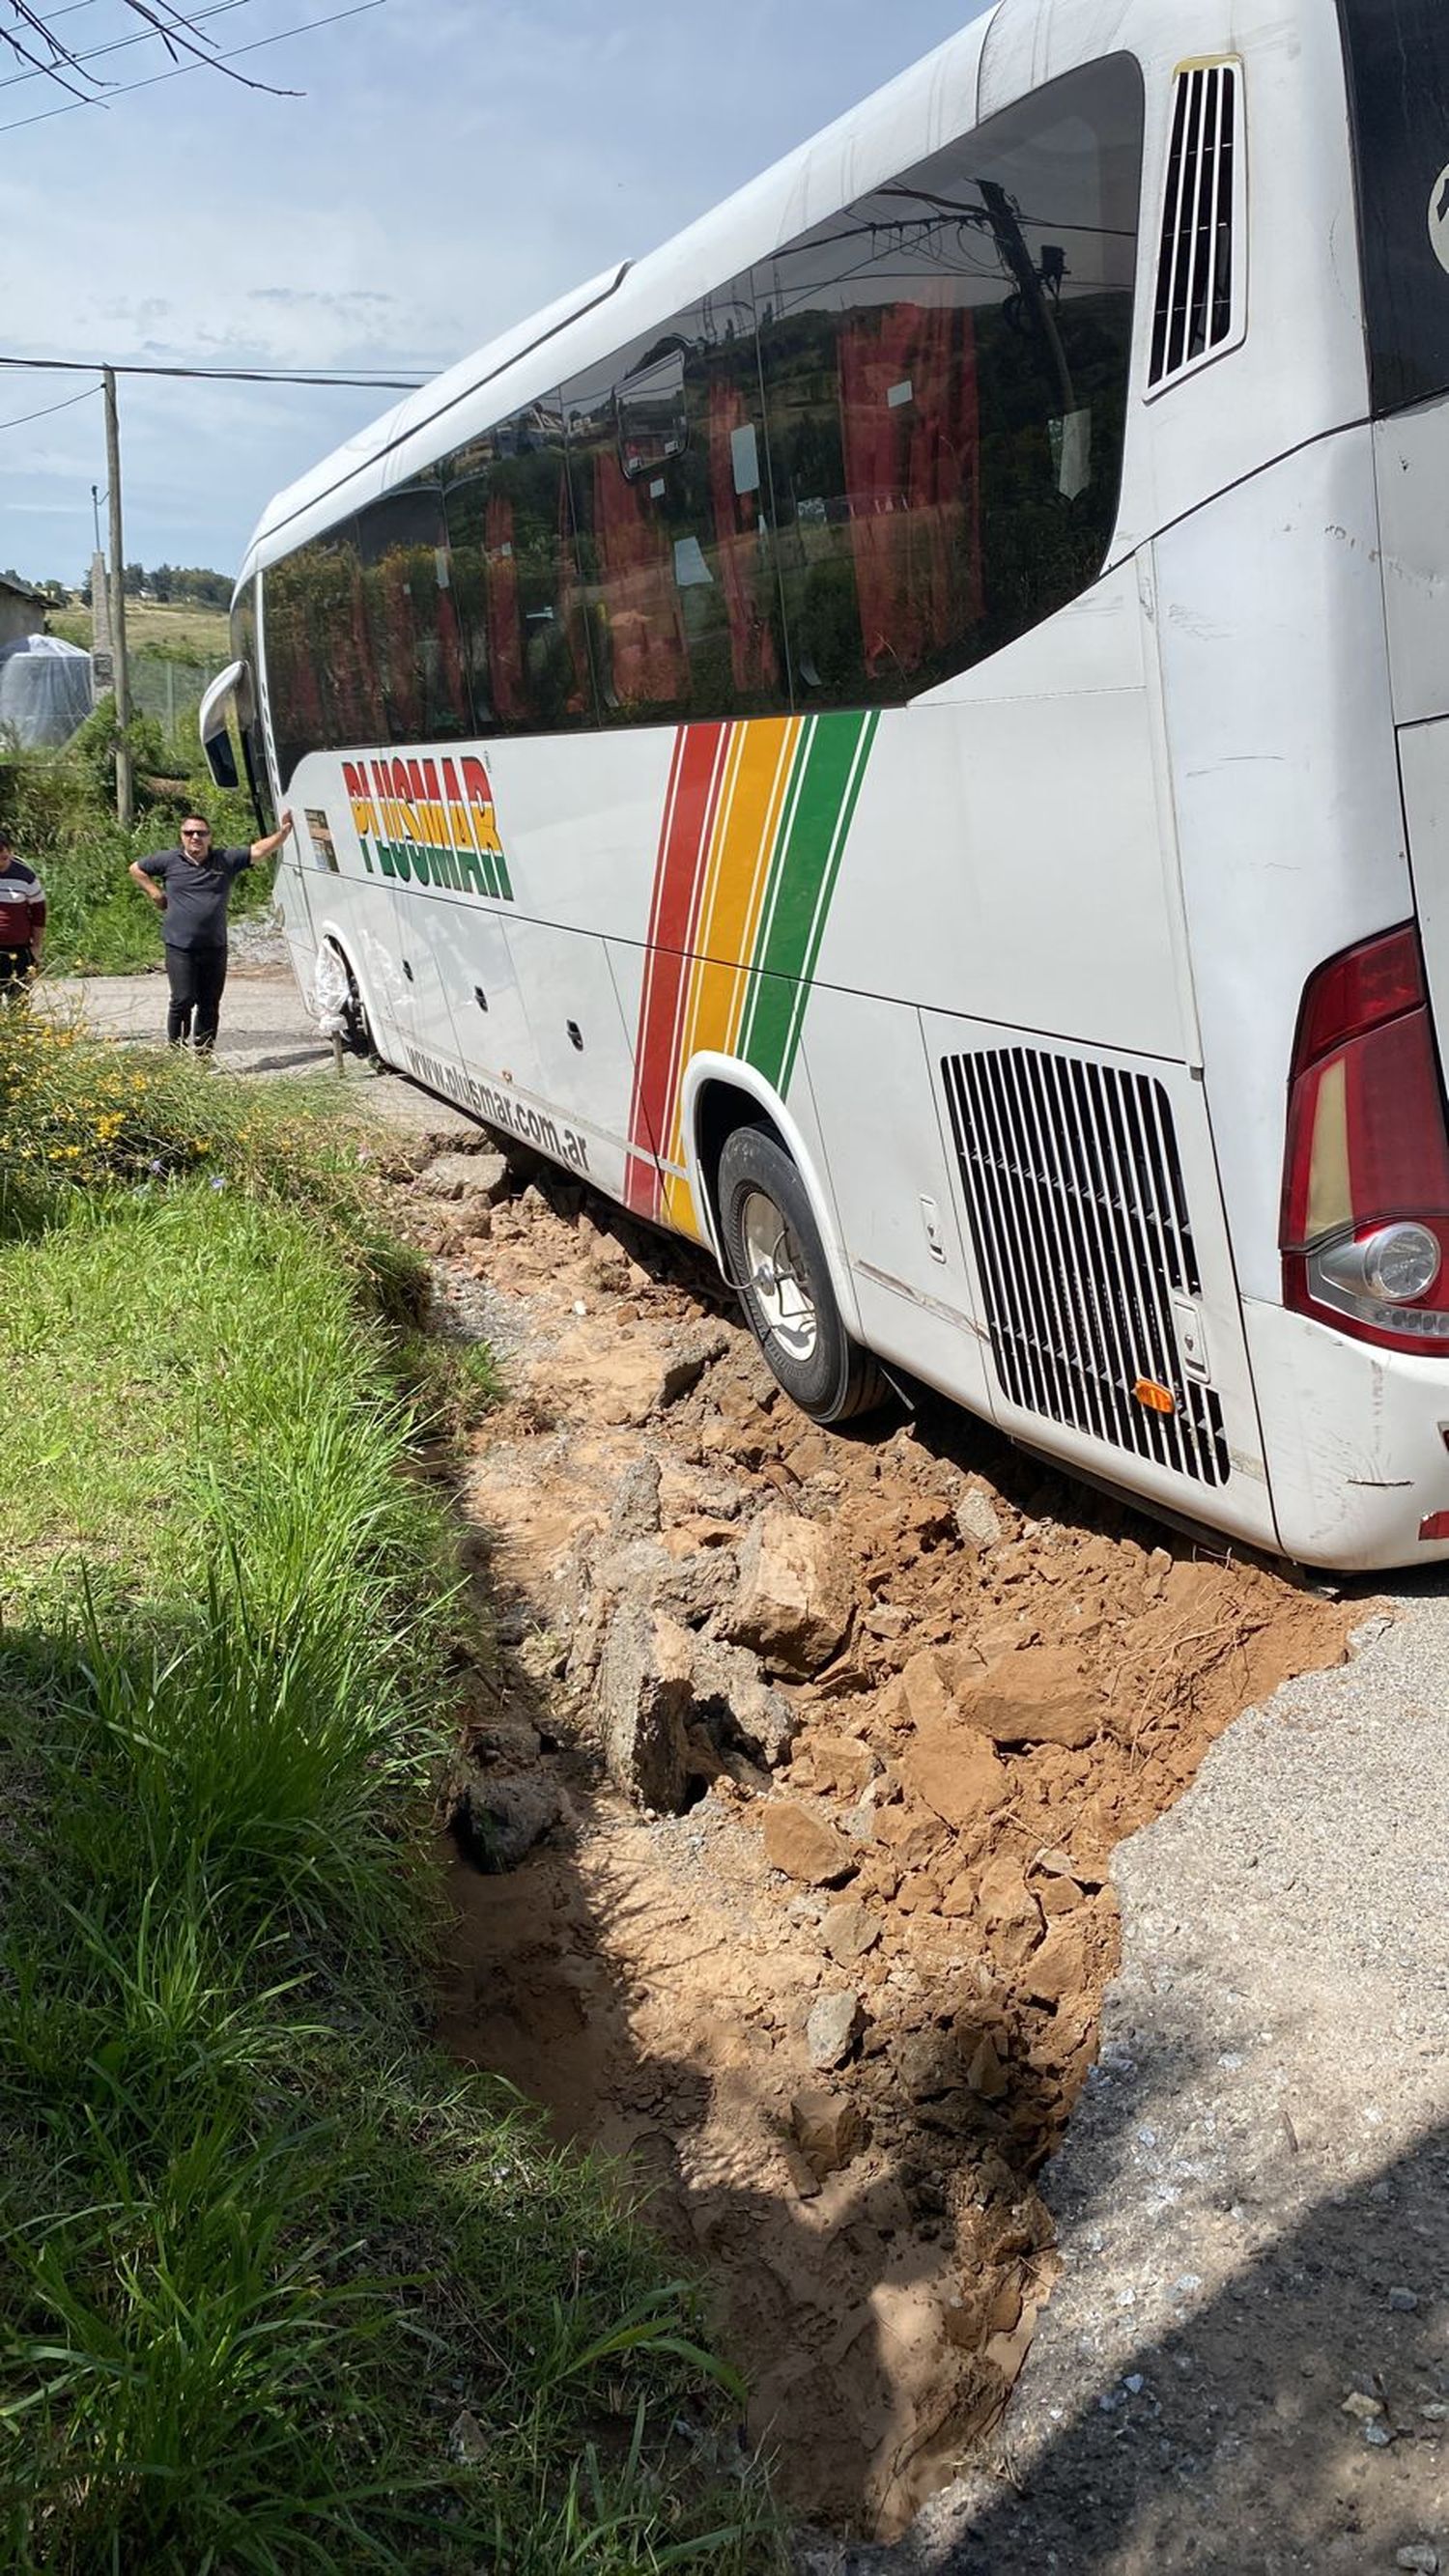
[(690, 1588), (835, 2024), (738, 1699), (976, 1517), (645, 1704), (806, 1847), (635, 1509), (794, 1601)]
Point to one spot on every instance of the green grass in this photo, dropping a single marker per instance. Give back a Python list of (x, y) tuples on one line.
[(156, 626), (281, 2289)]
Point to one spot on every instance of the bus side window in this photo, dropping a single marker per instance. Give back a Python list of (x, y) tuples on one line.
[(514, 578), (945, 368), (666, 463), (323, 689), (412, 623)]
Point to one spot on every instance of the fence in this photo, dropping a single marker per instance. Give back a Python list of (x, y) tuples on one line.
[(171, 691)]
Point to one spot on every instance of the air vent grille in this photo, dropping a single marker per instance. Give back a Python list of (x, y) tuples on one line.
[(1075, 1193), (1194, 313)]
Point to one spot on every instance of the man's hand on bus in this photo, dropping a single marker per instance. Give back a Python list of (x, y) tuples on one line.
[(266, 849)]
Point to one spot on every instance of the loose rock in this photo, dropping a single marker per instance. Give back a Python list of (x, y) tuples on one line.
[(827, 2129), (958, 1777), (849, 1931), (794, 1600), (465, 1176), (501, 1817), (1036, 1695), (805, 1846)]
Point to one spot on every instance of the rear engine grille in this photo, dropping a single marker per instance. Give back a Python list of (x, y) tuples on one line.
[(1193, 312), (1074, 1188)]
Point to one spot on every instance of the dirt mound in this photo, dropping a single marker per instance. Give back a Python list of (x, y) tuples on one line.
[(904, 1695)]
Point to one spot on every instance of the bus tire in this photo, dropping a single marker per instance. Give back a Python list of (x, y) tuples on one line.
[(776, 1260)]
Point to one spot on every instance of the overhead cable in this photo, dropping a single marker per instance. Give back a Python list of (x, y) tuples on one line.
[(207, 62), (21, 417)]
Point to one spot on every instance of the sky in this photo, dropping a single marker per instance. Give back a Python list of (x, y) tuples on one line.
[(449, 167)]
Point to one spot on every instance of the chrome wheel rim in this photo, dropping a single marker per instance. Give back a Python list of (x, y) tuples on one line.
[(775, 1270)]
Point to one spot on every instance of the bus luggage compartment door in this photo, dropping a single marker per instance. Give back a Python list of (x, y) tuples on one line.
[(885, 1151), (585, 1065), (417, 1002), (1090, 1198)]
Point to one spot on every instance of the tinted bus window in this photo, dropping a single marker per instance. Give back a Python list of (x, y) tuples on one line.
[(514, 581), (1398, 70), (320, 680), (945, 370), (412, 625), (676, 566)]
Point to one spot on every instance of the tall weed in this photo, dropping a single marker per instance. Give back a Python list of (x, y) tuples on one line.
[(260, 2247)]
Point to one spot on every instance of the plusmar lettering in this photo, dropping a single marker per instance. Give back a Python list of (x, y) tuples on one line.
[(429, 822)]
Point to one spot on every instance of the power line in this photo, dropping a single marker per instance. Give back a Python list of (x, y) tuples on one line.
[(225, 375), (21, 417), (208, 62), (118, 45)]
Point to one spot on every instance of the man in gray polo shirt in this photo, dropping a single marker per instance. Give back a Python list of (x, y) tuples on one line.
[(191, 887)]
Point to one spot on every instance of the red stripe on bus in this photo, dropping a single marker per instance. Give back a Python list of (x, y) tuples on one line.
[(694, 784)]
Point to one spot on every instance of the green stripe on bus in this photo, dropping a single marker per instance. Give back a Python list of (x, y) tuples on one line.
[(822, 799), (827, 889)]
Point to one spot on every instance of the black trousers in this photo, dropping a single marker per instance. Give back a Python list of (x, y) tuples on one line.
[(16, 965), (196, 977)]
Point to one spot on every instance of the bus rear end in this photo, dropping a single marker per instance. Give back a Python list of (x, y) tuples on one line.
[(1364, 1227)]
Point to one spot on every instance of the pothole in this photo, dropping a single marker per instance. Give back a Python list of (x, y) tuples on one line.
[(901, 1694)]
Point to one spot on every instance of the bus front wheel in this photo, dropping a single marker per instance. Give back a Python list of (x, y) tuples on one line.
[(777, 1261)]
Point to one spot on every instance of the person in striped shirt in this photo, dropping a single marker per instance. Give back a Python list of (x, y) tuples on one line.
[(22, 921)]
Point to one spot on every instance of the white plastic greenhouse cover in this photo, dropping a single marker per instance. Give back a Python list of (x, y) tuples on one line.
[(45, 690)]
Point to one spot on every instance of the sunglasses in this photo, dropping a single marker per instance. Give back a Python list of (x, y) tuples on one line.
[(201, 832)]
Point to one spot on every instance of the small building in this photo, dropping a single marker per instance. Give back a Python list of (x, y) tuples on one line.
[(22, 611)]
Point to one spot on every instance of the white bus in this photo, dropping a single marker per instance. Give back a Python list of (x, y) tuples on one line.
[(906, 736)]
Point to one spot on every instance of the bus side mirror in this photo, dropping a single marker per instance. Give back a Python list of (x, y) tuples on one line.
[(212, 724)]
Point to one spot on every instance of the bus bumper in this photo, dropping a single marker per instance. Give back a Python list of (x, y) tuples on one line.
[(1356, 1442)]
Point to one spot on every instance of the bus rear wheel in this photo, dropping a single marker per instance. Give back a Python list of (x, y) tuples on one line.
[(777, 1261)]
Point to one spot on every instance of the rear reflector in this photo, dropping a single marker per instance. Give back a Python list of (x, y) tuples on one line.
[(1436, 1526)]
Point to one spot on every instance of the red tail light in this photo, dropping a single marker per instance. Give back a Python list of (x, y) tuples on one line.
[(1365, 1224)]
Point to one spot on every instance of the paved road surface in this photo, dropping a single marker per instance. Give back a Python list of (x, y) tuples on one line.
[(265, 1028), (1254, 2195)]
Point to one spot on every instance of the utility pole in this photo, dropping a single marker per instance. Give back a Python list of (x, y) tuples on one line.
[(125, 797)]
